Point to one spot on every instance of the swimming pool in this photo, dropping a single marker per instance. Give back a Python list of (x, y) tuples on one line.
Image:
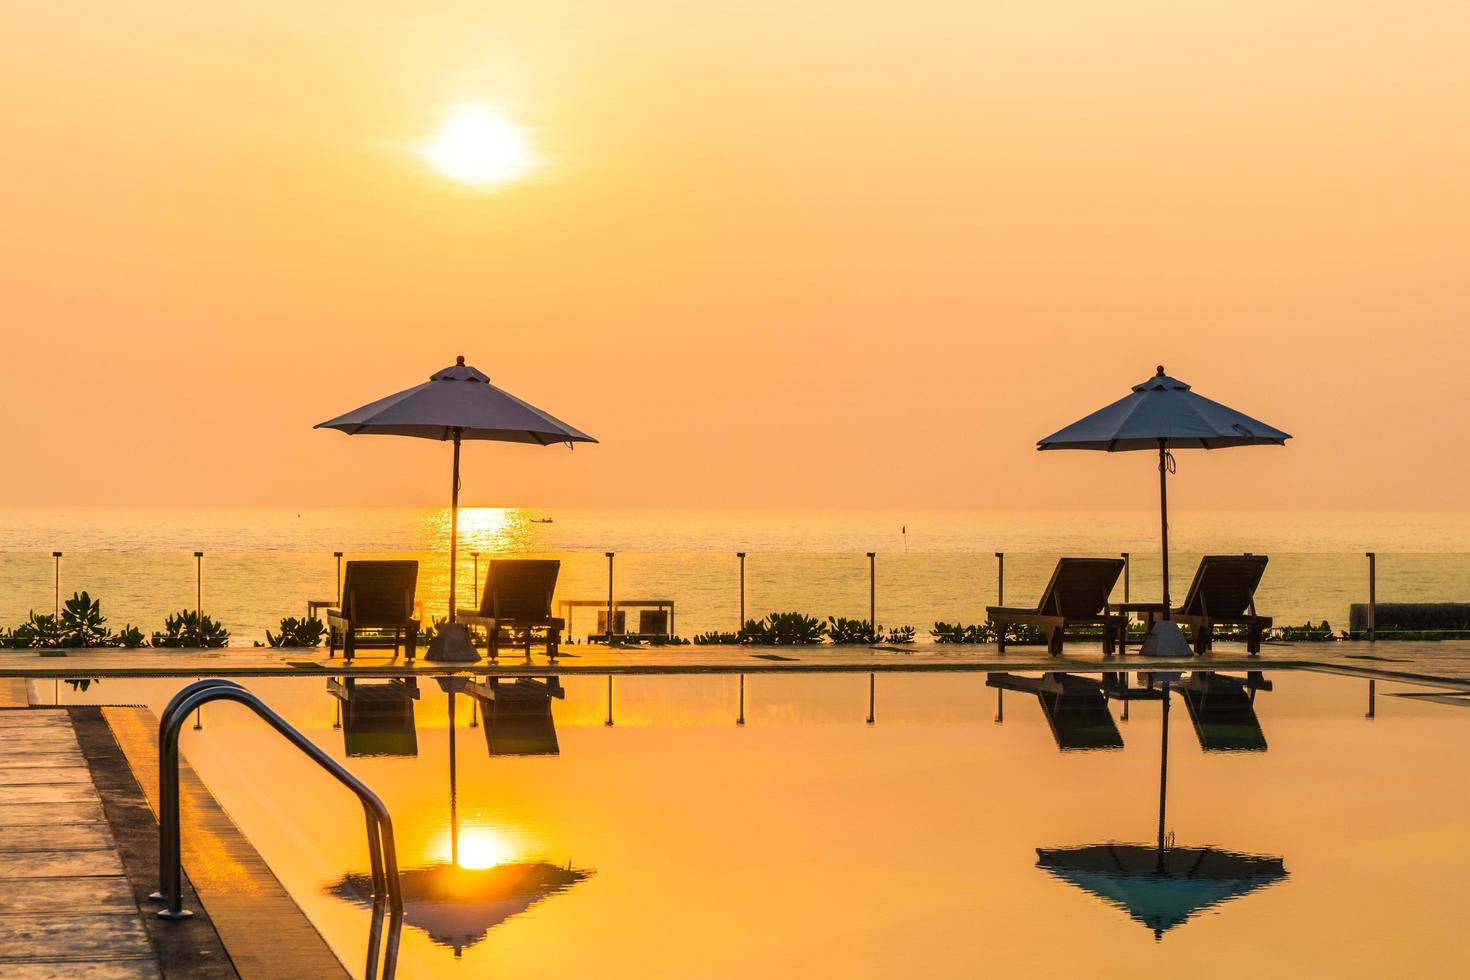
[(935, 824)]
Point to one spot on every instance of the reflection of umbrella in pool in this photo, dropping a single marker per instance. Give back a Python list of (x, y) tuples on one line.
[(458, 906), (1161, 885), (454, 904)]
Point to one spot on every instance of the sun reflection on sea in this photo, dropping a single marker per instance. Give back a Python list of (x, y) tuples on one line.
[(492, 530)]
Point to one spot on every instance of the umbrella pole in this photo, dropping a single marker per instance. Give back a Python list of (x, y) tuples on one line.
[(453, 792), (1163, 775), (1163, 514), (454, 526)]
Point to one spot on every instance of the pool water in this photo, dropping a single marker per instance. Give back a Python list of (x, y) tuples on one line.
[(927, 825)]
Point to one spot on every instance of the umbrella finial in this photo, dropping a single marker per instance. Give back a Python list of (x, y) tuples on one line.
[(1158, 371), (459, 362)]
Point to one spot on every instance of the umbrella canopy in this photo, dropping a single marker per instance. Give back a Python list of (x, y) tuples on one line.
[(457, 398), (1164, 408), (1163, 414), (457, 906), (456, 403), (1161, 891)]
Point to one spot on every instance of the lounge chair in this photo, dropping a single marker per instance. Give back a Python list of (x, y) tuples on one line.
[(377, 596), (1075, 708), (1223, 709), (1077, 595), (517, 598), (1223, 593)]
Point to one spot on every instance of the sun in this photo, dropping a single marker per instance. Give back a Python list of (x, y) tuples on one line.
[(481, 145)]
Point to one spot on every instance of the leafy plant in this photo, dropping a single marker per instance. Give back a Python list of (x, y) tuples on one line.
[(37, 632), (82, 623), (957, 633), (130, 637), (900, 634), (850, 631), (667, 640), (718, 639), (187, 629), (1308, 631), (785, 629), (295, 632)]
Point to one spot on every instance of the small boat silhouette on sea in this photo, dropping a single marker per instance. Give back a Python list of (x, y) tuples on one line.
[(542, 520)]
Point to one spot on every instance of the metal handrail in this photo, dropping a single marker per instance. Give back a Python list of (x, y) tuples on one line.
[(381, 849)]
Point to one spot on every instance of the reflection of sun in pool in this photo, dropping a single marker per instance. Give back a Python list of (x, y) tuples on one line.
[(483, 847)]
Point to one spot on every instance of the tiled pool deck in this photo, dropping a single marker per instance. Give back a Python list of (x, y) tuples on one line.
[(1444, 662)]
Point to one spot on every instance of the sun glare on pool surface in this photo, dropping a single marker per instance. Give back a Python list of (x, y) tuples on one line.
[(481, 146)]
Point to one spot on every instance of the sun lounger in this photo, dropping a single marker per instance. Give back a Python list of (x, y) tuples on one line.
[(1077, 595), (377, 597), (517, 598), (1223, 593), (1223, 709), (1075, 708)]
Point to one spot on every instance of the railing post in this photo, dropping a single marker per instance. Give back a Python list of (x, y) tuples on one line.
[(740, 718), (609, 634), (56, 555), (740, 630), (475, 584), (1372, 595), (338, 555), (1000, 578), (1127, 567), (872, 598)]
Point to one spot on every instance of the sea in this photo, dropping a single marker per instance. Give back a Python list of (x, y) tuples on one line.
[(260, 565)]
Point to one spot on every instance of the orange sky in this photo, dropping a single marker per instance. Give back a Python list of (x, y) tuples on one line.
[(777, 254)]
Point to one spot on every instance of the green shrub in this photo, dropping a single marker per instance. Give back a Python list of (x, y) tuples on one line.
[(130, 637), (37, 632), (295, 632), (841, 630), (1308, 631), (785, 629), (186, 629), (718, 639), (82, 623), (900, 634)]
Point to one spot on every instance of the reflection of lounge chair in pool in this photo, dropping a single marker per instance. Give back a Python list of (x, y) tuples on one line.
[(377, 596), (517, 598), (377, 718), (1075, 708), (517, 714), (1223, 710), (1223, 593), (1077, 595)]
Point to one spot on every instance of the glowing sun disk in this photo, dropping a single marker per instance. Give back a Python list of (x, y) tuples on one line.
[(480, 145)]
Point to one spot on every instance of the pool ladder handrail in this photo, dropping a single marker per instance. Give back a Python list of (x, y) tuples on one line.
[(387, 893)]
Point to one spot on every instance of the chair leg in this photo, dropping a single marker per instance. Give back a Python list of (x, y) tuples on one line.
[(1253, 641), (331, 643), (493, 632), (1000, 636), (410, 643), (553, 642), (349, 643), (1054, 641)]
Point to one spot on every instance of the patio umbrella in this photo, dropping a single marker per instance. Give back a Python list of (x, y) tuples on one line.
[(1159, 884), (455, 404), (1163, 414)]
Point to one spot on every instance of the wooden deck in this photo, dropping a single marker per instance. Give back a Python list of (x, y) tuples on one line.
[(66, 906)]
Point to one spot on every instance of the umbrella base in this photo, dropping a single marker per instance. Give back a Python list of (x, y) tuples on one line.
[(1165, 640), (452, 644)]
